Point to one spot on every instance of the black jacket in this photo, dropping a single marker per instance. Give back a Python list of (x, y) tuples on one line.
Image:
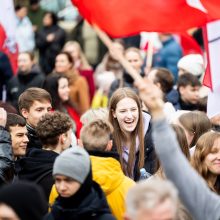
[(5, 71), (34, 141), (49, 50), (88, 203), (37, 166), (21, 82), (6, 161), (150, 159)]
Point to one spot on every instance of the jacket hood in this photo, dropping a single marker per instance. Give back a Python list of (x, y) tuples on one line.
[(107, 173)]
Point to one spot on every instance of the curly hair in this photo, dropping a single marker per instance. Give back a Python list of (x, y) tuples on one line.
[(51, 126), (204, 147)]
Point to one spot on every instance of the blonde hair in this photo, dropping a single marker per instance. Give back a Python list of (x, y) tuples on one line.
[(204, 147), (118, 135), (82, 57), (134, 49), (96, 135), (93, 114), (149, 194)]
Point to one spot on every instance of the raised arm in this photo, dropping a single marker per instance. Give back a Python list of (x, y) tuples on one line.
[(194, 192)]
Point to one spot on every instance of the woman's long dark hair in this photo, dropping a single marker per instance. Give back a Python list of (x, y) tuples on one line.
[(51, 85)]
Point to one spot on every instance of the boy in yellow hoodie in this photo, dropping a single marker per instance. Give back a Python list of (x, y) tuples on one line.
[(106, 168)]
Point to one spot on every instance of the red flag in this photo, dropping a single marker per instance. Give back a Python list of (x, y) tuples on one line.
[(127, 17), (207, 80), (212, 75), (2, 37), (213, 7), (189, 44), (7, 32)]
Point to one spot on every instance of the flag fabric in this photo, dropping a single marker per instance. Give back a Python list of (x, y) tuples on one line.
[(212, 75), (189, 44), (212, 6), (127, 17), (7, 32)]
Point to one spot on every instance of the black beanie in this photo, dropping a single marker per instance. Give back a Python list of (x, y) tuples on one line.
[(26, 199)]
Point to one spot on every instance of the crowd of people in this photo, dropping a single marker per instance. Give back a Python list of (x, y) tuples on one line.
[(84, 140)]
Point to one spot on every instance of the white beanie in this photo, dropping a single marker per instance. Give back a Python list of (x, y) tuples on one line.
[(192, 63)]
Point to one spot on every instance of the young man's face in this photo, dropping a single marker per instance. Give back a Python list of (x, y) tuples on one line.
[(19, 140), (7, 212), (66, 186), (36, 111), (189, 94)]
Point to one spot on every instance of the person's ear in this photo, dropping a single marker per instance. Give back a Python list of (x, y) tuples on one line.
[(24, 113), (62, 138), (158, 85), (80, 143), (113, 114), (181, 89), (109, 146)]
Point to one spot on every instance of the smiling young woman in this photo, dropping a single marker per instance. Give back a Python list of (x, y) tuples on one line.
[(206, 159), (132, 133)]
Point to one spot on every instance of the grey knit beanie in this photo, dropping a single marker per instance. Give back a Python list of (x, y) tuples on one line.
[(74, 163)]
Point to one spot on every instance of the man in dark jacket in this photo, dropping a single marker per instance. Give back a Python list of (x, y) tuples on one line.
[(79, 197), (188, 88), (54, 131), (29, 75), (6, 162)]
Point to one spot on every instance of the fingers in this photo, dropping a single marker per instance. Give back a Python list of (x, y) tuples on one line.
[(3, 117)]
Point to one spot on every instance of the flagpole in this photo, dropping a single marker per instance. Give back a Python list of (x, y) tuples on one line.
[(109, 44), (150, 51)]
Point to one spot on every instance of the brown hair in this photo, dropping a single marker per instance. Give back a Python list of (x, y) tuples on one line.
[(181, 138), (195, 122), (68, 55), (14, 120), (96, 135), (30, 54), (82, 57), (27, 98), (188, 79), (204, 147), (51, 126), (8, 107), (165, 78), (118, 135)]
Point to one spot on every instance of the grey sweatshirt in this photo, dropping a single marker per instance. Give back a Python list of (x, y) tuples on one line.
[(202, 203)]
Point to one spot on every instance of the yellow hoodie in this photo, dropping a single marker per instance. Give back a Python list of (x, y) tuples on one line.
[(108, 174)]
